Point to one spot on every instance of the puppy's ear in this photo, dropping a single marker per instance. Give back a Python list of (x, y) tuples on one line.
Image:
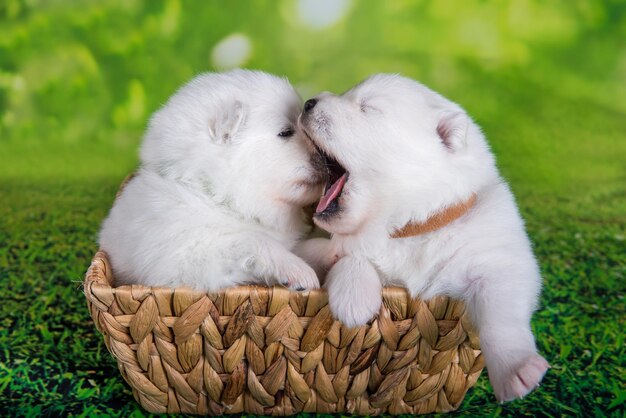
[(230, 118), (452, 130)]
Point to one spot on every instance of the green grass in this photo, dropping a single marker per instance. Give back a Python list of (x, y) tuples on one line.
[(77, 84)]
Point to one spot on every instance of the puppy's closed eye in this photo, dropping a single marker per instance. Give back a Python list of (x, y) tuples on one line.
[(286, 133), (366, 107)]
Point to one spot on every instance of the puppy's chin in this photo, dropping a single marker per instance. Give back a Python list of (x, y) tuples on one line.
[(301, 193), (341, 222)]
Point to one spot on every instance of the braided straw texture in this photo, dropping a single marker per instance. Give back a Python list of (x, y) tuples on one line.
[(268, 351)]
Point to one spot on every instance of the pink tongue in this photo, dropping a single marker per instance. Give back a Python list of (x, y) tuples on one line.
[(331, 194)]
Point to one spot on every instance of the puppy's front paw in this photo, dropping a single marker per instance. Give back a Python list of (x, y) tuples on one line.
[(354, 308), (354, 291), (517, 382), (299, 277)]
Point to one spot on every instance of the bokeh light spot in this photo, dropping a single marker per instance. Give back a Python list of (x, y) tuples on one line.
[(319, 14), (232, 51)]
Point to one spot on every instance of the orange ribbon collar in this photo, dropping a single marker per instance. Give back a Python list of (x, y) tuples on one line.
[(437, 221)]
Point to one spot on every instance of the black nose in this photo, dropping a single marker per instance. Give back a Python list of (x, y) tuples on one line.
[(309, 104)]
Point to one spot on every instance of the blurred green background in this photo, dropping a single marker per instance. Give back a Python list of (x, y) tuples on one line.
[(78, 80)]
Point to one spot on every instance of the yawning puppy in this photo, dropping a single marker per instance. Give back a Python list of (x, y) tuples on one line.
[(414, 199), (217, 202)]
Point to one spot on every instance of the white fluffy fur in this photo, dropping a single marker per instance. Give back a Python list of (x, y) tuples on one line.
[(217, 201), (385, 133)]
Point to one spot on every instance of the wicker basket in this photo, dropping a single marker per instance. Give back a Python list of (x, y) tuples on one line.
[(269, 351)]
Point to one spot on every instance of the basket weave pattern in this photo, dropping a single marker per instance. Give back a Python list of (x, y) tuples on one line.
[(269, 351)]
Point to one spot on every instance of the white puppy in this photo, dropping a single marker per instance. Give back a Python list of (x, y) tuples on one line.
[(414, 199), (218, 200)]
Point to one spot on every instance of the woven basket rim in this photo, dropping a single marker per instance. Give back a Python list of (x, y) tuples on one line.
[(98, 271)]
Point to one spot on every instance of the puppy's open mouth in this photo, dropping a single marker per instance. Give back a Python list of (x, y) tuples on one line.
[(336, 180)]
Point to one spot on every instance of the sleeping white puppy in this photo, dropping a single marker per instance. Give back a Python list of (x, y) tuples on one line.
[(414, 199), (218, 200)]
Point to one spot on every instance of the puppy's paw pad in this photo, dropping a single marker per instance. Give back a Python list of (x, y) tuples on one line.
[(520, 381)]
